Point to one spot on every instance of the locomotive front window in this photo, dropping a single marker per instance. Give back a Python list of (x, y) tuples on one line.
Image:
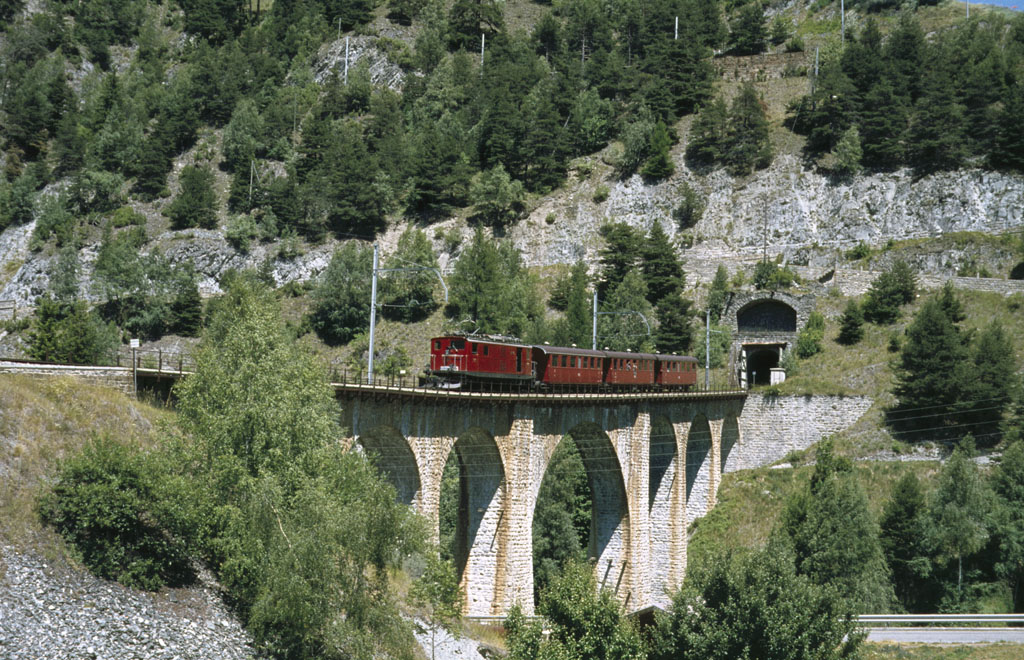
[(437, 345), (459, 344)]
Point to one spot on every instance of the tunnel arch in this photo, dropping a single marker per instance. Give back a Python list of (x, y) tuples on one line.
[(698, 468), (766, 315), (480, 503), (760, 362), (389, 450)]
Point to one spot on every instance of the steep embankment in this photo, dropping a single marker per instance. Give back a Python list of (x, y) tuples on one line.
[(51, 607)]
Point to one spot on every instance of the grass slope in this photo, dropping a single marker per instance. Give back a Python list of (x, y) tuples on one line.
[(43, 420)]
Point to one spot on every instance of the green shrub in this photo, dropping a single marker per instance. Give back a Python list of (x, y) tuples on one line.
[(104, 505), (860, 251), (808, 342), (600, 194)]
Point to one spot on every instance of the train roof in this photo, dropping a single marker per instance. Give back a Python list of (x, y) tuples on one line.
[(564, 350), (629, 356), (483, 339), (676, 358)]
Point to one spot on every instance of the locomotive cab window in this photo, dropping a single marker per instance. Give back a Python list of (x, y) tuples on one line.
[(459, 344), (437, 345), (486, 346), (472, 347)]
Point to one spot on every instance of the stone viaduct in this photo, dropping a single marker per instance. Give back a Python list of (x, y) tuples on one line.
[(653, 463)]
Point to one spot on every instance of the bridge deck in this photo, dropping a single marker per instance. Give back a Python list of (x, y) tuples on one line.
[(402, 390)]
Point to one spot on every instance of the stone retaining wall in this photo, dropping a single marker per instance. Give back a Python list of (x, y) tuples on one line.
[(771, 427), (117, 377)]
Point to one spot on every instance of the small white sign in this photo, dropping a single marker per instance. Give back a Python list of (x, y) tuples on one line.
[(133, 343)]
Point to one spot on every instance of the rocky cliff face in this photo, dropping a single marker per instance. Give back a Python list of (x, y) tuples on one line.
[(804, 215), (794, 207)]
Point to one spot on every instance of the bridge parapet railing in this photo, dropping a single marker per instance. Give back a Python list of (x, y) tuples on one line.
[(158, 360), (410, 383)]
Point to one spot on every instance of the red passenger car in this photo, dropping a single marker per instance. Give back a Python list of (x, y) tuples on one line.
[(457, 361), (676, 371), (629, 369), (575, 367)]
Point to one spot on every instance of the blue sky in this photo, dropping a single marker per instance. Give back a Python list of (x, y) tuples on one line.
[(1019, 4)]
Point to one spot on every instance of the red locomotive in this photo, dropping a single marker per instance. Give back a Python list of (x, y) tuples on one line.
[(485, 362)]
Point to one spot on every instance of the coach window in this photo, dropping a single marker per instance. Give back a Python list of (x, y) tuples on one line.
[(572, 361)]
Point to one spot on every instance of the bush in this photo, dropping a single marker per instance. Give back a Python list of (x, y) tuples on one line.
[(104, 504), (808, 342), (691, 208), (600, 194), (851, 329)]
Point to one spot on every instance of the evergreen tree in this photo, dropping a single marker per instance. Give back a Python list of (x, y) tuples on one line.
[(409, 296), (932, 376), (718, 293), (623, 327), (883, 123), (67, 332), (675, 328), (748, 33), (195, 205), (1008, 484), (1008, 148), (659, 164), (851, 326), (708, 136), (904, 537), (341, 300), (988, 391), (894, 287), (662, 269), (749, 142), (187, 311), (562, 516), (620, 254), (937, 125), (959, 511), (243, 137), (497, 197), (756, 606), (835, 537), (848, 152), (578, 318)]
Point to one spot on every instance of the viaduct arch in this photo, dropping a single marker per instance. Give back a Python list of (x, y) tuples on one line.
[(653, 466)]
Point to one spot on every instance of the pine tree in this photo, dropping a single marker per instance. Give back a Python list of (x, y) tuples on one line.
[(708, 136), (659, 164), (341, 307), (904, 536), (937, 124), (1008, 148), (932, 377), (883, 123), (195, 205), (748, 34), (409, 296), (749, 141), (623, 328), (663, 272), (959, 511), (578, 316), (621, 252), (988, 392), (835, 536), (894, 287), (851, 326), (675, 326), (718, 293), (1008, 484), (187, 311), (848, 152)]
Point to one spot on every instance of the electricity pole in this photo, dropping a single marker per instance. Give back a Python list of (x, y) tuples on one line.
[(373, 315)]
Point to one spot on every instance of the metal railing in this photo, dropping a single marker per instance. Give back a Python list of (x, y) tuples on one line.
[(900, 619), (158, 360)]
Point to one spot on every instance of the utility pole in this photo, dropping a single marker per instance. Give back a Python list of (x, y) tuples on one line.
[(373, 314), (842, 12), (677, 28), (707, 350), (483, 42), (593, 343), (968, 3)]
